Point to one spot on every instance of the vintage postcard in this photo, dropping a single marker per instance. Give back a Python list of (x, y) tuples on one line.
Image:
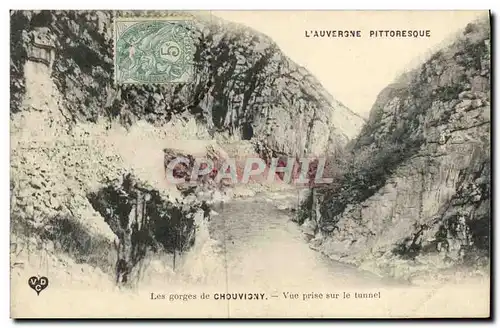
[(250, 164)]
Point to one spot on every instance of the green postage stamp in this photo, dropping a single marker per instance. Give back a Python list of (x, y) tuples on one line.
[(153, 50)]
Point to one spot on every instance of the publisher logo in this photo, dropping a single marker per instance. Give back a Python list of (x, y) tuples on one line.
[(38, 283)]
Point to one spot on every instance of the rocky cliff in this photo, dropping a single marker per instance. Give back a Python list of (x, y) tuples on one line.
[(413, 192), (76, 136), (244, 86)]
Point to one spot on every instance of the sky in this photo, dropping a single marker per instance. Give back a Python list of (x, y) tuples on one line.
[(355, 70)]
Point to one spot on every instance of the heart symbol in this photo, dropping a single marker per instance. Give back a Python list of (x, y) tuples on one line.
[(38, 283)]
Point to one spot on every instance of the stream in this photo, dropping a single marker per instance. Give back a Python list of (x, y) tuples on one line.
[(264, 248)]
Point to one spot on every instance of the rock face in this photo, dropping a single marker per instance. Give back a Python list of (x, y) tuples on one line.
[(143, 220), (415, 192), (74, 133), (245, 86)]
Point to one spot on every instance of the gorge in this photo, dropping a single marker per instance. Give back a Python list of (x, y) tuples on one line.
[(411, 190)]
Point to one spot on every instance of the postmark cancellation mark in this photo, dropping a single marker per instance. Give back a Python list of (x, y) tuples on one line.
[(153, 50)]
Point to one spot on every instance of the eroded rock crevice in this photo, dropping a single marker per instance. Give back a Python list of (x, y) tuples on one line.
[(143, 221)]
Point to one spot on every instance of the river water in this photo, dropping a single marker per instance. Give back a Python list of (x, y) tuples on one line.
[(263, 251), (263, 247)]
